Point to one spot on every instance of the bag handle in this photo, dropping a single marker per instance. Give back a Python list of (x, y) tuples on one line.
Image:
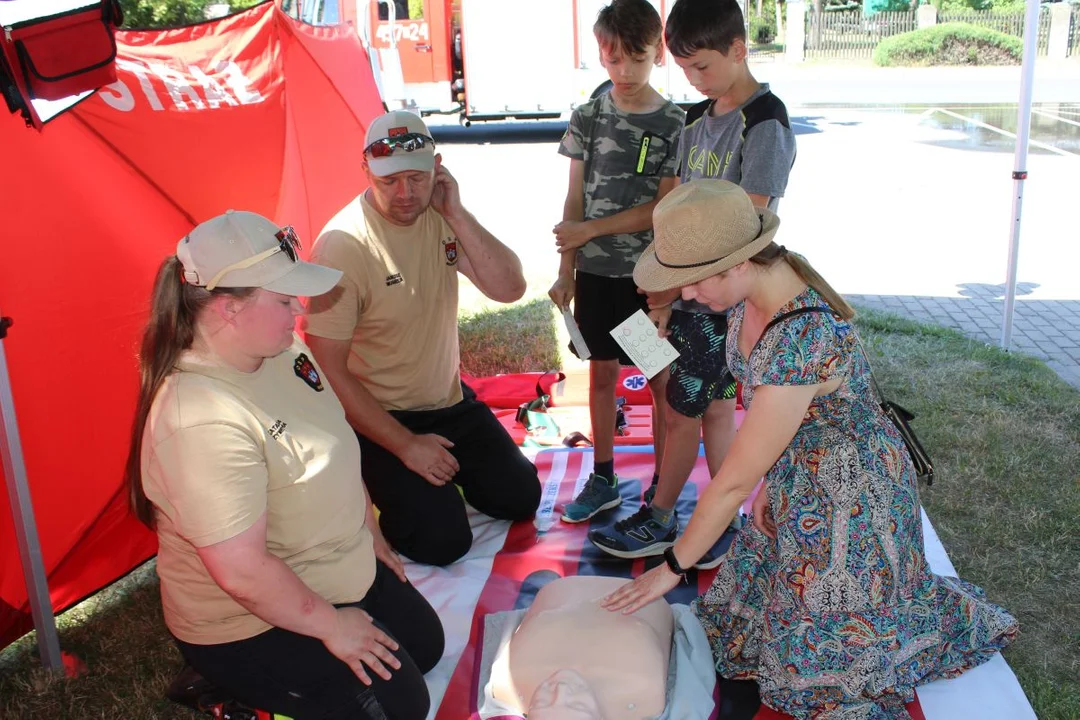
[(899, 416)]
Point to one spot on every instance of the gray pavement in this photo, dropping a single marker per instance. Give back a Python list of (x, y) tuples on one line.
[(906, 209), (1048, 329)]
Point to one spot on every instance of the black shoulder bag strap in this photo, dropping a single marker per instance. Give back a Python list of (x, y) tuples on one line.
[(900, 417), (781, 318)]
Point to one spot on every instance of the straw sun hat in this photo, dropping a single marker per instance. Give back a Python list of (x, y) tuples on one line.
[(700, 229)]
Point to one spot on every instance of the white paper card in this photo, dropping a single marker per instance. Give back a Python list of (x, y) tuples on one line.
[(575, 335), (637, 336)]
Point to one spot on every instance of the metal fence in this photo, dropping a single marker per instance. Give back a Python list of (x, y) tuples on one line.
[(1074, 32), (851, 35), (1008, 23)]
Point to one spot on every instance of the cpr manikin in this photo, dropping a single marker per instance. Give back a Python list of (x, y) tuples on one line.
[(570, 659)]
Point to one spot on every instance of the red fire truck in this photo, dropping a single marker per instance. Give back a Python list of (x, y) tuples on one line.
[(491, 59)]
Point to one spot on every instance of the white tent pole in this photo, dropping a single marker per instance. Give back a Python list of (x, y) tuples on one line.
[(1023, 132), (25, 527)]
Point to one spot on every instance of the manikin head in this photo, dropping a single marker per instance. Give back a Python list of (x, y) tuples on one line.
[(564, 696)]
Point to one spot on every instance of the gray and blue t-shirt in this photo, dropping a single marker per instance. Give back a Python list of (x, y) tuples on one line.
[(752, 146), (626, 155)]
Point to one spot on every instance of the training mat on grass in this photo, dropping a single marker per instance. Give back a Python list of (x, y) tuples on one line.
[(508, 564)]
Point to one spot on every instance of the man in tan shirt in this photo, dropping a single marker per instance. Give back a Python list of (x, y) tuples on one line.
[(387, 339)]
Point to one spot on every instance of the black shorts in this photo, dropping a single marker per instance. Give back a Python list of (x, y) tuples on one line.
[(700, 374), (600, 304)]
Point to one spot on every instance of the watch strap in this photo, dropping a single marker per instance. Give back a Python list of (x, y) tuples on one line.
[(673, 563)]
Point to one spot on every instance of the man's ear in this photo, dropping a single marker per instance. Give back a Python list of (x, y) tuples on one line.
[(438, 161)]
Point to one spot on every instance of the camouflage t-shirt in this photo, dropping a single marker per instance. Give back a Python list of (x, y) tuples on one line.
[(625, 155)]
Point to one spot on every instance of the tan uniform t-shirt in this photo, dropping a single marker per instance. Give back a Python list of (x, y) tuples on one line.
[(397, 303), (220, 448)]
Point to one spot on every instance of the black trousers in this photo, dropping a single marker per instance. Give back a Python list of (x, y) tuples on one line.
[(295, 675), (427, 523)]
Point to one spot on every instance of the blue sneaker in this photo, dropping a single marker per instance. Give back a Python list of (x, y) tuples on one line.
[(640, 535), (597, 495), (715, 555)]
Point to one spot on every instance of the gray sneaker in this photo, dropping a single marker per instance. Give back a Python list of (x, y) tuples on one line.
[(597, 495)]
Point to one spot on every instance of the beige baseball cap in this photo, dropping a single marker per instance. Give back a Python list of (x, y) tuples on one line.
[(243, 249), (399, 125), (700, 229)]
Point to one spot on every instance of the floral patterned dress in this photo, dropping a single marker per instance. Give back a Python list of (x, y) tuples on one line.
[(840, 617)]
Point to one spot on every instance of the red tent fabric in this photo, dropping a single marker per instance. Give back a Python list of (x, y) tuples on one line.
[(255, 111)]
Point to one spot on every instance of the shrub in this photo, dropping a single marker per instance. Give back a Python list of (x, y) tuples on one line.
[(950, 44), (763, 29)]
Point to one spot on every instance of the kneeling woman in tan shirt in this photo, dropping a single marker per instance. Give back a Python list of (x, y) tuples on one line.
[(275, 579)]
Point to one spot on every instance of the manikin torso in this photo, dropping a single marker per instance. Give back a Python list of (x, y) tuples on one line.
[(572, 659)]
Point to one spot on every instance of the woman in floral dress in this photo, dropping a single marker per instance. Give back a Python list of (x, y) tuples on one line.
[(826, 598)]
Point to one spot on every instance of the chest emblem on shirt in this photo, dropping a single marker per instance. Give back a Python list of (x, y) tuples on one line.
[(450, 248), (305, 370), (394, 279), (706, 162)]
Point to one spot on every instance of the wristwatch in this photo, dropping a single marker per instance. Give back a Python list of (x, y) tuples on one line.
[(673, 563)]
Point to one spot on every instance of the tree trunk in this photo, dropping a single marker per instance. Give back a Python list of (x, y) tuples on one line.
[(779, 22), (759, 8)]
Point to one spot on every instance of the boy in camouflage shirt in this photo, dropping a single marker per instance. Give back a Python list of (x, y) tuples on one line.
[(623, 147)]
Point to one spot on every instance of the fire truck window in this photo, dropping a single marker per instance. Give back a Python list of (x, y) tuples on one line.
[(403, 9), (291, 8), (317, 12)]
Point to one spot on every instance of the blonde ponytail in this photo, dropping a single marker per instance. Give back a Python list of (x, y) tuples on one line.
[(772, 253)]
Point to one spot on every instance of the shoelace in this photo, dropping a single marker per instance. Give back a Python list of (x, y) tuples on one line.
[(641, 517), (591, 489)]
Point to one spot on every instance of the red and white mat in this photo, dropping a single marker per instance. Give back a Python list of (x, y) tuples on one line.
[(508, 563)]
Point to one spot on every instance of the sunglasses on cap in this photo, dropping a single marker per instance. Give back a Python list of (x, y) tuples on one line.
[(399, 143), (288, 243)]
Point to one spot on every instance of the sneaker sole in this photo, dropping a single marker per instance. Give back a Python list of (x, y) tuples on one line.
[(609, 505), (650, 551)]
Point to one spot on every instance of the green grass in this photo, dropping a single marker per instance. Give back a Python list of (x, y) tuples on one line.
[(1004, 434), (518, 338), (1003, 430)]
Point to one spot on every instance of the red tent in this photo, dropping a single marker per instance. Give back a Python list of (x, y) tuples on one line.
[(255, 111)]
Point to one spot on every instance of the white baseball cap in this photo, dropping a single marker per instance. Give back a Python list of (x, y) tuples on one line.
[(243, 249), (403, 126)]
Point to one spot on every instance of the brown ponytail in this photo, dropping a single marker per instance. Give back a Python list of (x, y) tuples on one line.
[(772, 253), (170, 330)]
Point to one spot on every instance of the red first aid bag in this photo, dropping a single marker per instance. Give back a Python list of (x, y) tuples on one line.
[(59, 55)]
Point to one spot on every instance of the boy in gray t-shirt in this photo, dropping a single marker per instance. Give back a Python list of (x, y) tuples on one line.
[(740, 134), (623, 150)]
